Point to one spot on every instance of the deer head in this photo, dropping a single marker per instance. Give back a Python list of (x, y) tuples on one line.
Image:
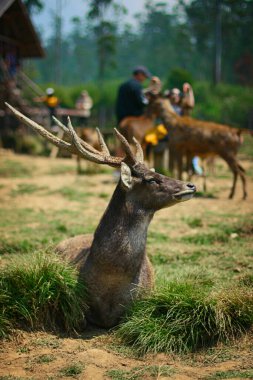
[(150, 190)]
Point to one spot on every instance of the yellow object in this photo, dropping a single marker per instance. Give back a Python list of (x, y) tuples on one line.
[(156, 134), (52, 101)]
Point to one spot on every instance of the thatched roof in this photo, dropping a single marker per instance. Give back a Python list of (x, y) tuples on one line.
[(17, 29)]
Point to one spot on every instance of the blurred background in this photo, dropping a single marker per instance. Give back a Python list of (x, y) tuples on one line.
[(93, 45)]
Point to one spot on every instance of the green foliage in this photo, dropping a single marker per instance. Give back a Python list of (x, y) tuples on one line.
[(178, 77), (41, 291), (229, 104), (184, 316)]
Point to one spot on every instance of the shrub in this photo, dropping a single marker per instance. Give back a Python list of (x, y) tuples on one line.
[(42, 292)]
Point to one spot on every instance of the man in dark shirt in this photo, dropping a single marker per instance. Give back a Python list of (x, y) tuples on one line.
[(131, 100)]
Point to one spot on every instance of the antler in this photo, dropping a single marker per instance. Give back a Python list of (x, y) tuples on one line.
[(80, 147)]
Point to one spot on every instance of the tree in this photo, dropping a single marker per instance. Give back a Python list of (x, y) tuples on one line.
[(34, 6), (224, 34), (105, 32)]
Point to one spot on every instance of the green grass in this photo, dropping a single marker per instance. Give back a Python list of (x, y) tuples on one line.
[(72, 370), (61, 169), (10, 377), (142, 372), (231, 374), (12, 168), (41, 291), (49, 342), (222, 233), (44, 359), (26, 230), (186, 315), (73, 194), (27, 188), (194, 222), (5, 324)]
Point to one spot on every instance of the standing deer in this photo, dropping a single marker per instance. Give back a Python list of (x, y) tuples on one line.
[(113, 263), (192, 137)]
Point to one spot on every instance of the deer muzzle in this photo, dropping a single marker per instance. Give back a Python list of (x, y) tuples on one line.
[(185, 194)]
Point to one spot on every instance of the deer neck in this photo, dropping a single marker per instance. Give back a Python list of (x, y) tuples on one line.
[(167, 115), (120, 238)]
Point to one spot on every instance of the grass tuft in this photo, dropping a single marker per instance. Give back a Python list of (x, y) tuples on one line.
[(142, 372), (72, 370), (40, 291), (185, 316)]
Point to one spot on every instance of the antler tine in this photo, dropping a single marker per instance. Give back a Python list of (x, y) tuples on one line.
[(61, 125), (102, 143), (42, 131), (98, 157), (139, 151), (126, 146), (67, 131)]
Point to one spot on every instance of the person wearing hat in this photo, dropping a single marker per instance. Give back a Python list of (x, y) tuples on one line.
[(130, 99)]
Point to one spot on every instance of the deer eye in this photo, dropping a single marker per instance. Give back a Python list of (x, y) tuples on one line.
[(150, 180)]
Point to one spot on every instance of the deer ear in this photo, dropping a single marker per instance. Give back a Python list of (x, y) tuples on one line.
[(126, 177)]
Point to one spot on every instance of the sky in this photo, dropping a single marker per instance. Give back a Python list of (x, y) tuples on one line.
[(75, 8)]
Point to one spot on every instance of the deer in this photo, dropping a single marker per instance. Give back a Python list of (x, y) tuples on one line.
[(191, 137), (113, 263)]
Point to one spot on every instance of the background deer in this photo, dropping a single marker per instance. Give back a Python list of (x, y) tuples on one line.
[(113, 263), (192, 137)]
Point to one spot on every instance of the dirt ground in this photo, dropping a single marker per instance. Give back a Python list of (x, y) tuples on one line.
[(97, 354)]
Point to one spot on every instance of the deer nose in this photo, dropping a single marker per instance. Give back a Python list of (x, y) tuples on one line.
[(191, 186)]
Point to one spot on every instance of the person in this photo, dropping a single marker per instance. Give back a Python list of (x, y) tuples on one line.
[(84, 104), (51, 101), (182, 102), (131, 100)]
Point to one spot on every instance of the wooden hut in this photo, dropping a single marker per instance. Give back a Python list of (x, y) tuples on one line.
[(18, 41)]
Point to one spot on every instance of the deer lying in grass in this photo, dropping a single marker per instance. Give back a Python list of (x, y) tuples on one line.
[(113, 263), (192, 137)]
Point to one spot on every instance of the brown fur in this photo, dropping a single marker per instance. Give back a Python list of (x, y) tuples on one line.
[(114, 264), (190, 137)]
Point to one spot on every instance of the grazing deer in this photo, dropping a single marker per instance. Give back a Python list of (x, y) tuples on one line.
[(192, 137), (113, 263)]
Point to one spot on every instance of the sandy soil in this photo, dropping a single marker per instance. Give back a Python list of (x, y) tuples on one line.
[(41, 355)]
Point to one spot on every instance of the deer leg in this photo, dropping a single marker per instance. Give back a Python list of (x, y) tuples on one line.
[(233, 165), (236, 168), (235, 174), (171, 161), (179, 166), (189, 166), (243, 179)]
